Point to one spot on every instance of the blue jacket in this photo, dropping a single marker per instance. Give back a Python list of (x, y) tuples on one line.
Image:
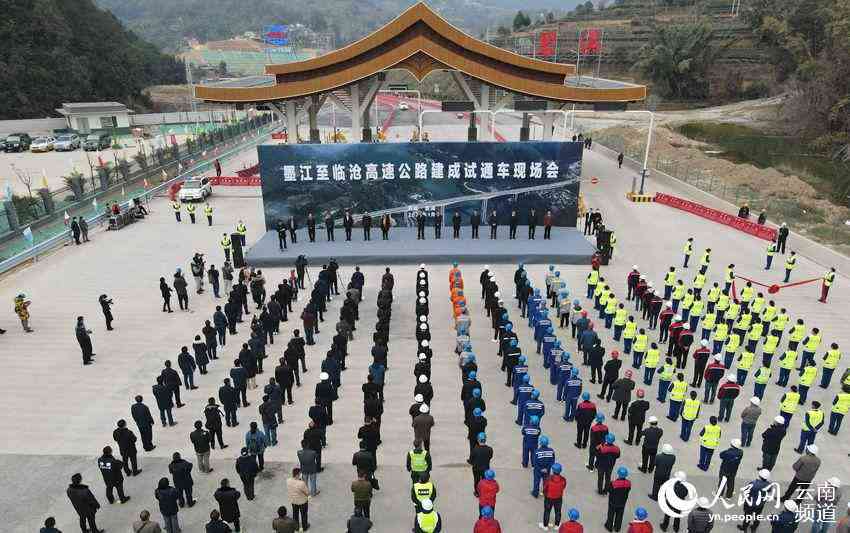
[(565, 370), (523, 395), (533, 408), (519, 371), (587, 339), (530, 434), (377, 373), (574, 387), (540, 328), (543, 458), (219, 320), (786, 522), (256, 442)]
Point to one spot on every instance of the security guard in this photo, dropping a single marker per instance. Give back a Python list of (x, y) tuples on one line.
[(771, 251), (688, 250), (669, 281), (226, 245), (664, 378), (786, 364), (541, 462), (807, 379), (788, 404), (423, 489), (690, 412), (827, 281), (798, 333), (708, 442), (530, 435), (830, 363), (790, 264), (769, 349), (176, 206), (191, 210), (745, 363), (428, 520), (728, 277), (812, 422), (592, 281), (704, 261), (418, 461), (840, 406), (111, 469), (650, 362), (761, 377), (208, 213), (243, 231), (678, 390)]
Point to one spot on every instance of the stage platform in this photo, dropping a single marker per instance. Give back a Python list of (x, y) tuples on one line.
[(567, 246)]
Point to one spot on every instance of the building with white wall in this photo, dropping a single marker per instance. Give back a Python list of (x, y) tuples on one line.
[(85, 117)]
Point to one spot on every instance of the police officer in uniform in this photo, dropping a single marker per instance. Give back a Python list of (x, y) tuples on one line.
[(176, 206), (113, 477), (191, 210), (456, 225), (208, 213)]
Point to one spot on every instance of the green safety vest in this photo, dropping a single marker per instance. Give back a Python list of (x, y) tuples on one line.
[(769, 314), (755, 332), (745, 361), (427, 521), (747, 294), (722, 332), (691, 409), (733, 343), (208, 210), (744, 322), (689, 248), (771, 249), (225, 243), (816, 416), (842, 404), (723, 302), (789, 358), (423, 491), (687, 301), (770, 344), (677, 394), (241, 229), (418, 462), (808, 376), (781, 321), (679, 292), (757, 305), (762, 376), (732, 312), (176, 206), (833, 355), (699, 281), (611, 305), (666, 372), (711, 436), (791, 402), (791, 263), (190, 209)]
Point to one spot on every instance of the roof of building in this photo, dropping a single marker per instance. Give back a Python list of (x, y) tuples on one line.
[(79, 108)]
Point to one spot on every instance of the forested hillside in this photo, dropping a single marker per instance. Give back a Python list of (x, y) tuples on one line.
[(56, 51)]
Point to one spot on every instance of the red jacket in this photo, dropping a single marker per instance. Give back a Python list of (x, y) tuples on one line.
[(571, 527), (702, 351), (487, 490), (674, 330), (487, 525), (553, 486), (547, 220), (640, 526)]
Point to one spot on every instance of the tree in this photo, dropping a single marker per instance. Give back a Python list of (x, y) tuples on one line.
[(221, 70), (550, 17), (503, 31), (521, 20), (678, 58)]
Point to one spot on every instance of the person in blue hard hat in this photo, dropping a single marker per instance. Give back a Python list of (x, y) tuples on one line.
[(530, 435), (555, 357), (572, 391), (553, 497), (533, 407), (607, 454), (640, 524), (486, 523), (517, 377), (542, 461), (523, 394)]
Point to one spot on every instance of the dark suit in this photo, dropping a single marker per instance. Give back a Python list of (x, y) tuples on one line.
[(420, 226), (329, 228), (367, 227), (514, 223), (494, 224), (348, 223), (438, 225), (144, 421), (475, 221), (532, 223), (311, 228)]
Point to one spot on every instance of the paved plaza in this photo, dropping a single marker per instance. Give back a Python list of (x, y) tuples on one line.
[(58, 414)]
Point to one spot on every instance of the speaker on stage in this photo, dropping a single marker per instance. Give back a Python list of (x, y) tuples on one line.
[(603, 244), (238, 256)]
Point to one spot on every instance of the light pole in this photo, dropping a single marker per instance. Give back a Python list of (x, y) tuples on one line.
[(491, 113)]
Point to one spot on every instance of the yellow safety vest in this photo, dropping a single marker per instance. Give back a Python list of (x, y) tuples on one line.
[(771, 249), (711, 436), (763, 375), (176, 206), (705, 259), (423, 491), (843, 404), (745, 361), (241, 229), (611, 305), (208, 210), (733, 343), (699, 281), (816, 416), (833, 355), (789, 358), (791, 402), (593, 278), (687, 301), (691, 409), (630, 330), (713, 294), (770, 344), (808, 376), (744, 322), (755, 332), (670, 279), (620, 316), (813, 342), (781, 321), (757, 305), (667, 371), (732, 312), (677, 394), (651, 360), (747, 294), (679, 292), (689, 248), (722, 332), (225, 242), (190, 209), (427, 521), (708, 321), (641, 341), (597, 292), (769, 314), (418, 462), (730, 274), (828, 279), (723, 302), (798, 332), (791, 263)]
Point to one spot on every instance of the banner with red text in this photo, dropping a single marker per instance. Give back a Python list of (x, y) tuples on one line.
[(590, 42), (733, 221), (236, 181), (548, 44)]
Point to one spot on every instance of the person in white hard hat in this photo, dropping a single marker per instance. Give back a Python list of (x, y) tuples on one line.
[(755, 498), (730, 460), (749, 418), (786, 520), (805, 469), (427, 519), (828, 498), (664, 462), (681, 491)]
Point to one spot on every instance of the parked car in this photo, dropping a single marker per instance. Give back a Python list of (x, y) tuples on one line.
[(97, 141), (403, 106), (42, 144), (195, 189), (67, 142), (17, 142)]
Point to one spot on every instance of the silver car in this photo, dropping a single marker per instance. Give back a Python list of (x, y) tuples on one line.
[(67, 142)]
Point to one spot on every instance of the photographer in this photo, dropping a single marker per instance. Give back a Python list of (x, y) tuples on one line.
[(106, 305)]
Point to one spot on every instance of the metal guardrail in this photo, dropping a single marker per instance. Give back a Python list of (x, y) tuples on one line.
[(45, 246)]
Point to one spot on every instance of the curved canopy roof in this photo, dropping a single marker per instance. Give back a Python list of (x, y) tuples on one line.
[(421, 41)]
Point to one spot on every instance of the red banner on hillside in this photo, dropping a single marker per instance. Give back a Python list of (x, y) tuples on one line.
[(733, 221), (590, 41), (548, 43), (236, 181)]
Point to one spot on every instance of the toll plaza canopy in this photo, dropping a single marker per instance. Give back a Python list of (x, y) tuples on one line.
[(421, 42)]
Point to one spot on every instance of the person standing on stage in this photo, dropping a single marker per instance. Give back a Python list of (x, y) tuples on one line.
[(475, 221), (456, 225), (329, 226), (420, 225), (514, 222), (386, 224), (367, 227), (348, 224), (494, 224), (532, 223), (281, 237), (292, 225), (311, 227), (547, 225), (438, 223)]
